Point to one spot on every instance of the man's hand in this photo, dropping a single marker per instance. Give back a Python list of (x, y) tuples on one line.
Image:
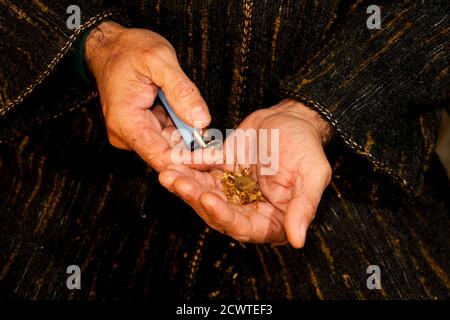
[(293, 193), (129, 65)]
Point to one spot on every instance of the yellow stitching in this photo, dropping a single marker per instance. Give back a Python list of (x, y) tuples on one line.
[(54, 61)]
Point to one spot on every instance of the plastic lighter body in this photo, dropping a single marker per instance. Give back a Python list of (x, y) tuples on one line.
[(191, 136)]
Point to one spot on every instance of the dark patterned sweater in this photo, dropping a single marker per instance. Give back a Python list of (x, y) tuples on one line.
[(383, 90)]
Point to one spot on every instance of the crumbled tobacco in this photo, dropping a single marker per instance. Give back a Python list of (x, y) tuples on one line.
[(240, 188)]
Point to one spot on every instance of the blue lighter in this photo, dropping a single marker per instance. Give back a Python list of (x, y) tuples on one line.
[(191, 136)]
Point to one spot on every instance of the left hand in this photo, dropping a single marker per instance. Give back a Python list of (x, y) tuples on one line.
[(293, 193)]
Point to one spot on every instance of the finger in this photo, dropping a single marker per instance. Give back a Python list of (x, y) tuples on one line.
[(188, 188), (253, 227), (182, 94), (309, 187), (219, 211), (172, 136), (208, 180), (160, 114), (190, 191), (190, 185), (167, 179), (173, 172), (148, 143)]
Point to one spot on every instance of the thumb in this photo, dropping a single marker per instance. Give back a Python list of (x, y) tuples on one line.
[(308, 190), (184, 96)]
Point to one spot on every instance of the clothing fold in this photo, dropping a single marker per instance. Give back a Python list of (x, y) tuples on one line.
[(383, 90)]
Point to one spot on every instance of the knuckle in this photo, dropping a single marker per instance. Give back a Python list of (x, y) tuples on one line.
[(241, 234), (159, 53), (215, 216), (242, 238), (216, 226), (183, 87)]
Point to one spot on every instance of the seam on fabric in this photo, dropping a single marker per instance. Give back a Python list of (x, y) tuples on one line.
[(44, 74), (350, 142)]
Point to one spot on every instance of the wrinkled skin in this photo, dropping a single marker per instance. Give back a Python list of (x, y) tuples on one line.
[(129, 65), (293, 193)]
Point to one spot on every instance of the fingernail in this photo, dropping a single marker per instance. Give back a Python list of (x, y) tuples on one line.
[(199, 114)]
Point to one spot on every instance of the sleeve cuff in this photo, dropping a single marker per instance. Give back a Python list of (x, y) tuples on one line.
[(77, 61)]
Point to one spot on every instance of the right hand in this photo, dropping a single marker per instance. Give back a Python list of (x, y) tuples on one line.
[(129, 65)]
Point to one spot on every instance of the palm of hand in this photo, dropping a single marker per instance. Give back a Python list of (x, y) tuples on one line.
[(203, 191), (293, 193)]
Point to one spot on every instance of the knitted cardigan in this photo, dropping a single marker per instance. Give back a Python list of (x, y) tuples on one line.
[(382, 90)]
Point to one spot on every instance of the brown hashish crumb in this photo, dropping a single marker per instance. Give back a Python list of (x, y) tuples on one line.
[(240, 188)]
